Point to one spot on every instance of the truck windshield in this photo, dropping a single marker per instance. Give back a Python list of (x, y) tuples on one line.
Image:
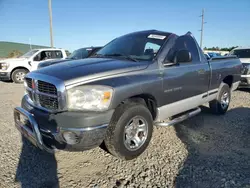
[(134, 47), (79, 54), (29, 54)]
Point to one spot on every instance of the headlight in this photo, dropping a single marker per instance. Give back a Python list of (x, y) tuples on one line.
[(92, 98), (4, 66), (245, 68)]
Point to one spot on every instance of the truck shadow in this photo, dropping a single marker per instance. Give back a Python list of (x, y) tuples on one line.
[(36, 168), (247, 90), (218, 149)]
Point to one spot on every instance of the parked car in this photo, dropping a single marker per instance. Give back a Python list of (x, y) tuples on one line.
[(244, 54), (81, 53), (209, 55), (16, 68), (116, 96)]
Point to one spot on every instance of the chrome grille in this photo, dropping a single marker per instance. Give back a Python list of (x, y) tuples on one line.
[(29, 82), (42, 94), (30, 94), (45, 87), (48, 102)]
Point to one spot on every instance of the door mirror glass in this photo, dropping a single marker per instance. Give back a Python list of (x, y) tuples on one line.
[(183, 56)]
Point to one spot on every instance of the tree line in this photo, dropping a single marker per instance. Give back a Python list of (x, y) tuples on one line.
[(220, 49)]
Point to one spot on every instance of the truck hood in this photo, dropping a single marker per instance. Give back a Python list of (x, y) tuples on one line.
[(75, 71), (13, 60), (245, 60), (52, 62)]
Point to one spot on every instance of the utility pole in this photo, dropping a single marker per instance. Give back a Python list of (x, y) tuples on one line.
[(30, 43), (50, 20), (202, 27)]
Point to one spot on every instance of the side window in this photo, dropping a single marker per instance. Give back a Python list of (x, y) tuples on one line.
[(178, 44), (191, 46), (43, 55), (48, 55), (57, 54), (184, 42)]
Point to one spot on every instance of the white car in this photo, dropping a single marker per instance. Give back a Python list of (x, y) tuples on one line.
[(244, 54), (16, 68)]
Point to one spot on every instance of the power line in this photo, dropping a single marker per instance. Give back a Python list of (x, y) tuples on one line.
[(50, 20)]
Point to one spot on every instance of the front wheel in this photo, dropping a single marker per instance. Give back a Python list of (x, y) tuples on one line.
[(221, 103), (18, 75), (129, 131)]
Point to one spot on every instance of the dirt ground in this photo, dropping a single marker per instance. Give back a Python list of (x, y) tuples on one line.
[(205, 151)]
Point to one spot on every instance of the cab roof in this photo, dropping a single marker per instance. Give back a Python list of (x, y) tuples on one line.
[(48, 49), (152, 31)]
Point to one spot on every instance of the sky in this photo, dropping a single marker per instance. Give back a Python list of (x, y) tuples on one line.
[(82, 23)]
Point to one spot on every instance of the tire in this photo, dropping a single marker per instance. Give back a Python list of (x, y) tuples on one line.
[(117, 139), (220, 105), (18, 75)]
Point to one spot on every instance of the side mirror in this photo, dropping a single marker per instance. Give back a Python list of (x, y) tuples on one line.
[(183, 56)]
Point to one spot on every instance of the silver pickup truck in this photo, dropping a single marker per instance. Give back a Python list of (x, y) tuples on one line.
[(115, 97)]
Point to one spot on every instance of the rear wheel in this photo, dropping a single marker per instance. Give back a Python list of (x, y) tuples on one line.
[(221, 103), (18, 75), (129, 131)]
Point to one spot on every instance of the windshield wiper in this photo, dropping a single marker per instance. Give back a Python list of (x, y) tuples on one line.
[(121, 55), (98, 55)]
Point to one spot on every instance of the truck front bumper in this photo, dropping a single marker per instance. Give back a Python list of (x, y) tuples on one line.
[(70, 131), (5, 75), (245, 81)]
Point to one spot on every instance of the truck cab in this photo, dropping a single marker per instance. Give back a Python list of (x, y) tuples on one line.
[(15, 69)]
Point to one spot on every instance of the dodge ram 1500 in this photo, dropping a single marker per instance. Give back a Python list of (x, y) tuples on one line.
[(116, 96)]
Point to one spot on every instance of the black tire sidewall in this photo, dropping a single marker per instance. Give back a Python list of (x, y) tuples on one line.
[(126, 116), (14, 75)]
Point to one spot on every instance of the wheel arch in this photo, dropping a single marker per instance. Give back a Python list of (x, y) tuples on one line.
[(148, 100), (16, 68), (228, 80)]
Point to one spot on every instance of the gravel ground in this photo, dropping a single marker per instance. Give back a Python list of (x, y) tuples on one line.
[(205, 151)]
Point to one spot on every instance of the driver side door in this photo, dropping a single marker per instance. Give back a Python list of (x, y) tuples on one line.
[(184, 83)]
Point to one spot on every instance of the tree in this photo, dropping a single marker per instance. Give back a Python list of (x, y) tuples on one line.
[(14, 53), (222, 49), (67, 52), (205, 48)]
